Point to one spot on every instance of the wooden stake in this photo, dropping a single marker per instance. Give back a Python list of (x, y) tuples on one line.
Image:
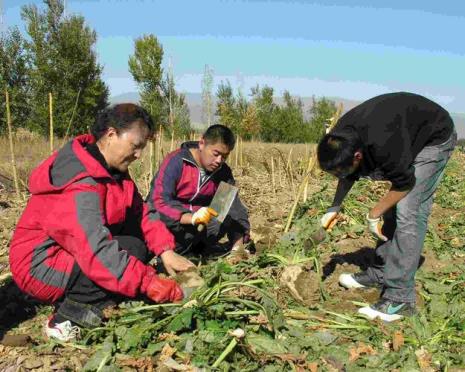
[(273, 185), (50, 111), (152, 159), (242, 151), (305, 192), (12, 148), (160, 137), (288, 164), (311, 165), (172, 140), (72, 116), (236, 155)]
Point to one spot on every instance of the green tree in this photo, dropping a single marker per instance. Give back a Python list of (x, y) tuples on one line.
[(322, 111), (14, 76), (262, 98), (250, 124), (145, 67), (290, 124), (157, 91), (174, 112), (65, 64), (207, 96), (226, 106)]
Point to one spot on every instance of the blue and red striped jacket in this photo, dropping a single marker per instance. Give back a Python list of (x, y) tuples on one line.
[(176, 189)]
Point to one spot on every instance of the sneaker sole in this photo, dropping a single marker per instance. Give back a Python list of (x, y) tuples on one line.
[(373, 314), (348, 281)]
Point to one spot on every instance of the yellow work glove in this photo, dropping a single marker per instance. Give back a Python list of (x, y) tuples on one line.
[(375, 226), (203, 216)]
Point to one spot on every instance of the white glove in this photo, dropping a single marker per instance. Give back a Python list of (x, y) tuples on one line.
[(203, 216), (375, 226), (329, 218)]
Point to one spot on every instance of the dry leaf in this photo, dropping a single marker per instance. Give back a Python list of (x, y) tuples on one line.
[(291, 357), (397, 340), (312, 367), (259, 319), (166, 352), (141, 364), (256, 237), (172, 365), (456, 242), (111, 311), (167, 337), (424, 360), (356, 352)]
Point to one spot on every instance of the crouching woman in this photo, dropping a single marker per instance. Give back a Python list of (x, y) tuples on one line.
[(80, 243)]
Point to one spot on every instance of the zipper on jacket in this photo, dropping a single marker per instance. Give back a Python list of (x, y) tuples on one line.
[(199, 185)]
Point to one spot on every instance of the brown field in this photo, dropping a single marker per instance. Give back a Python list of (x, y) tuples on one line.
[(269, 176)]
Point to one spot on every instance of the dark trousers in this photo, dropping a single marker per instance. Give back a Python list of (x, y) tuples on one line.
[(84, 300), (189, 240)]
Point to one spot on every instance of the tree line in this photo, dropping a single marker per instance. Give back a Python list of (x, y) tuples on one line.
[(262, 118), (57, 55)]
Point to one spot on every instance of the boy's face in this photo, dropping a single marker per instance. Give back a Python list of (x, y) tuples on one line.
[(212, 155)]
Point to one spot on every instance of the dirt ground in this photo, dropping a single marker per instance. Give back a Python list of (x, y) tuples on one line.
[(269, 201)]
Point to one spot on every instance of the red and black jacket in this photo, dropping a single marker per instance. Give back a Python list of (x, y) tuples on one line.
[(75, 208), (176, 189)]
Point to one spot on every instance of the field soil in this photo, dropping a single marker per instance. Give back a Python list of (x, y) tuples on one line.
[(269, 198)]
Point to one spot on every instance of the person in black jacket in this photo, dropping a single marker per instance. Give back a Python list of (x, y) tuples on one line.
[(406, 139)]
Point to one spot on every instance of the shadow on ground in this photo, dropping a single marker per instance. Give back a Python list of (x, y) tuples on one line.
[(15, 306), (363, 258)]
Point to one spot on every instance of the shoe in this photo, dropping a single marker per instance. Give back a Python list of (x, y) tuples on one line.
[(388, 310), (64, 331), (357, 280)]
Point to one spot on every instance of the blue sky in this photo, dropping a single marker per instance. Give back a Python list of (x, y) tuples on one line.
[(353, 49)]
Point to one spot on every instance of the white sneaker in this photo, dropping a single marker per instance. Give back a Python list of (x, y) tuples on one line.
[(64, 331), (372, 314), (388, 310), (348, 281)]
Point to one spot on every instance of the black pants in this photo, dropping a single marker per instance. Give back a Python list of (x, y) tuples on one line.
[(189, 240), (84, 300)]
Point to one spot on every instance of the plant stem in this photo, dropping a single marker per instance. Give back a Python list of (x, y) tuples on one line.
[(152, 307), (225, 352)]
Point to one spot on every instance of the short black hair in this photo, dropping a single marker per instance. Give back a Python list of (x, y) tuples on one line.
[(120, 116), (219, 133), (337, 150)]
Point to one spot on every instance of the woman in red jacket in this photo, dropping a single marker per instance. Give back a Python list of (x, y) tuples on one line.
[(80, 243)]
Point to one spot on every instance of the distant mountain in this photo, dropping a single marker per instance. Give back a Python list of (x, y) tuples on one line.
[(194, 101), (459, 120), (132, 97)]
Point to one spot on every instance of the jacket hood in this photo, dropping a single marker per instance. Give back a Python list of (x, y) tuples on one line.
[(65, 166)]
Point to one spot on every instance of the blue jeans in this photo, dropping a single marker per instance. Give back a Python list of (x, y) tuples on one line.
[(406, 226)]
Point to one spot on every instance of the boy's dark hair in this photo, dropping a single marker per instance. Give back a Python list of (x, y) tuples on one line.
[(219, 133), (120, 117), (337, 151)]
